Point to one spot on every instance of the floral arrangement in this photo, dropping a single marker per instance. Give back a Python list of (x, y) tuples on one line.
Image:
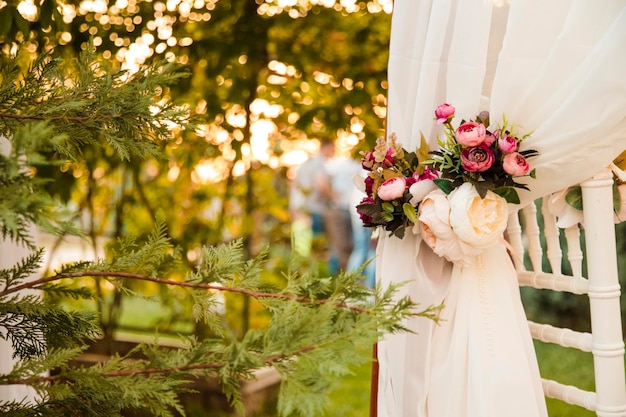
[(487, 160), (456, 197), (394, 185)]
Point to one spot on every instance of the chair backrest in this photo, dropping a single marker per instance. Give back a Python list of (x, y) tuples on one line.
[(605, 341)]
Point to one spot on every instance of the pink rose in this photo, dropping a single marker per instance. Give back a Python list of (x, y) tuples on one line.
[(429, 174), (477, 159), (489, 139), (443, 112), (515, 164), (507, 144), (471, 134), (392, 188)]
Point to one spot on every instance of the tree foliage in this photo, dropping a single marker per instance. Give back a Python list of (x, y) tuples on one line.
[(303, 71), (52, 117), (317, 326), (265, 80)]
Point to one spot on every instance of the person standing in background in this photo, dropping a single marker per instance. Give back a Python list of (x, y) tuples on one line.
[(364, 245), (338, 214), (310, 197)]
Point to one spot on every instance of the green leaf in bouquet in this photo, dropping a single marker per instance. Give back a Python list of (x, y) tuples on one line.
[(533, 174), (390, 173), (387, 207), (410, 212), (508, 193), (574, 197), (373, 211), (387, 216), (444, 185), (482, 187), (423, 154)]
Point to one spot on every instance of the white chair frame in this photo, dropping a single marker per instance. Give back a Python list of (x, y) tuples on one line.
[(602, 287)]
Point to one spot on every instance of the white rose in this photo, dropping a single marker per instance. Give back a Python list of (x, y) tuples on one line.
[(565, 214), (435, 229), (419, 190), (477, 221)]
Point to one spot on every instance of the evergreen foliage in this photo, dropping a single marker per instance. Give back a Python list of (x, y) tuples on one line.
[(317, 324), (55, 110)]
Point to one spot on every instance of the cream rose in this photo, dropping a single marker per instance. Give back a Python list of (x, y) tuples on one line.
[(435, 229), (477, 221), (419, 190)]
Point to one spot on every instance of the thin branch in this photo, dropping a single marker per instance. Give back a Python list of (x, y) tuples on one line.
[(254, 294), (152, 371), (79, 119)]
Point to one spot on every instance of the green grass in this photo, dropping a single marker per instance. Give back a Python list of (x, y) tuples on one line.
[(569, 366), (352, 397)]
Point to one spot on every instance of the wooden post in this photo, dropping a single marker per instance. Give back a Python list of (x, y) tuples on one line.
[(374, 383)]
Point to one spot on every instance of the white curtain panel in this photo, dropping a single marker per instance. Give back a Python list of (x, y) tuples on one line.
[(555, 68)]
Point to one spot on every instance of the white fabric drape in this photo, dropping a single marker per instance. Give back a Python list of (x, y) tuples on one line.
[(555, 68)]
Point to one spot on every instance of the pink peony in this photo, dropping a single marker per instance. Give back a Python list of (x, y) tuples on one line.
[(515, 164), (477, 159), (507, 144), (471, 134), (429, 174), (392, 188), (489, 139), (443, 112)]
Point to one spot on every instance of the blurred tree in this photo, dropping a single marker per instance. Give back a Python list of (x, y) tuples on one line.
[(267, 79), (51, 113)]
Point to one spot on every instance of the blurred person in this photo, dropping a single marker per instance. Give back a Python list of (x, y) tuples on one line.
[(338, 214), (310, 196), (364, 243)]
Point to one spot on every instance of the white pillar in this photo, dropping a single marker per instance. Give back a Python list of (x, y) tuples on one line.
[(604, 295)]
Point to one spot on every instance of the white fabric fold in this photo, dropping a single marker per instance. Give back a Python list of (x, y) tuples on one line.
[(555, 68)]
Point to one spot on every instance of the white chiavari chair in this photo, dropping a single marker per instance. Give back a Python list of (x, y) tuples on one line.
[(601, 286)]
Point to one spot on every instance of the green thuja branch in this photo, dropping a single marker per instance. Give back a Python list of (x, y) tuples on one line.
[(90, 104), (313, 334), (56, 110)]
